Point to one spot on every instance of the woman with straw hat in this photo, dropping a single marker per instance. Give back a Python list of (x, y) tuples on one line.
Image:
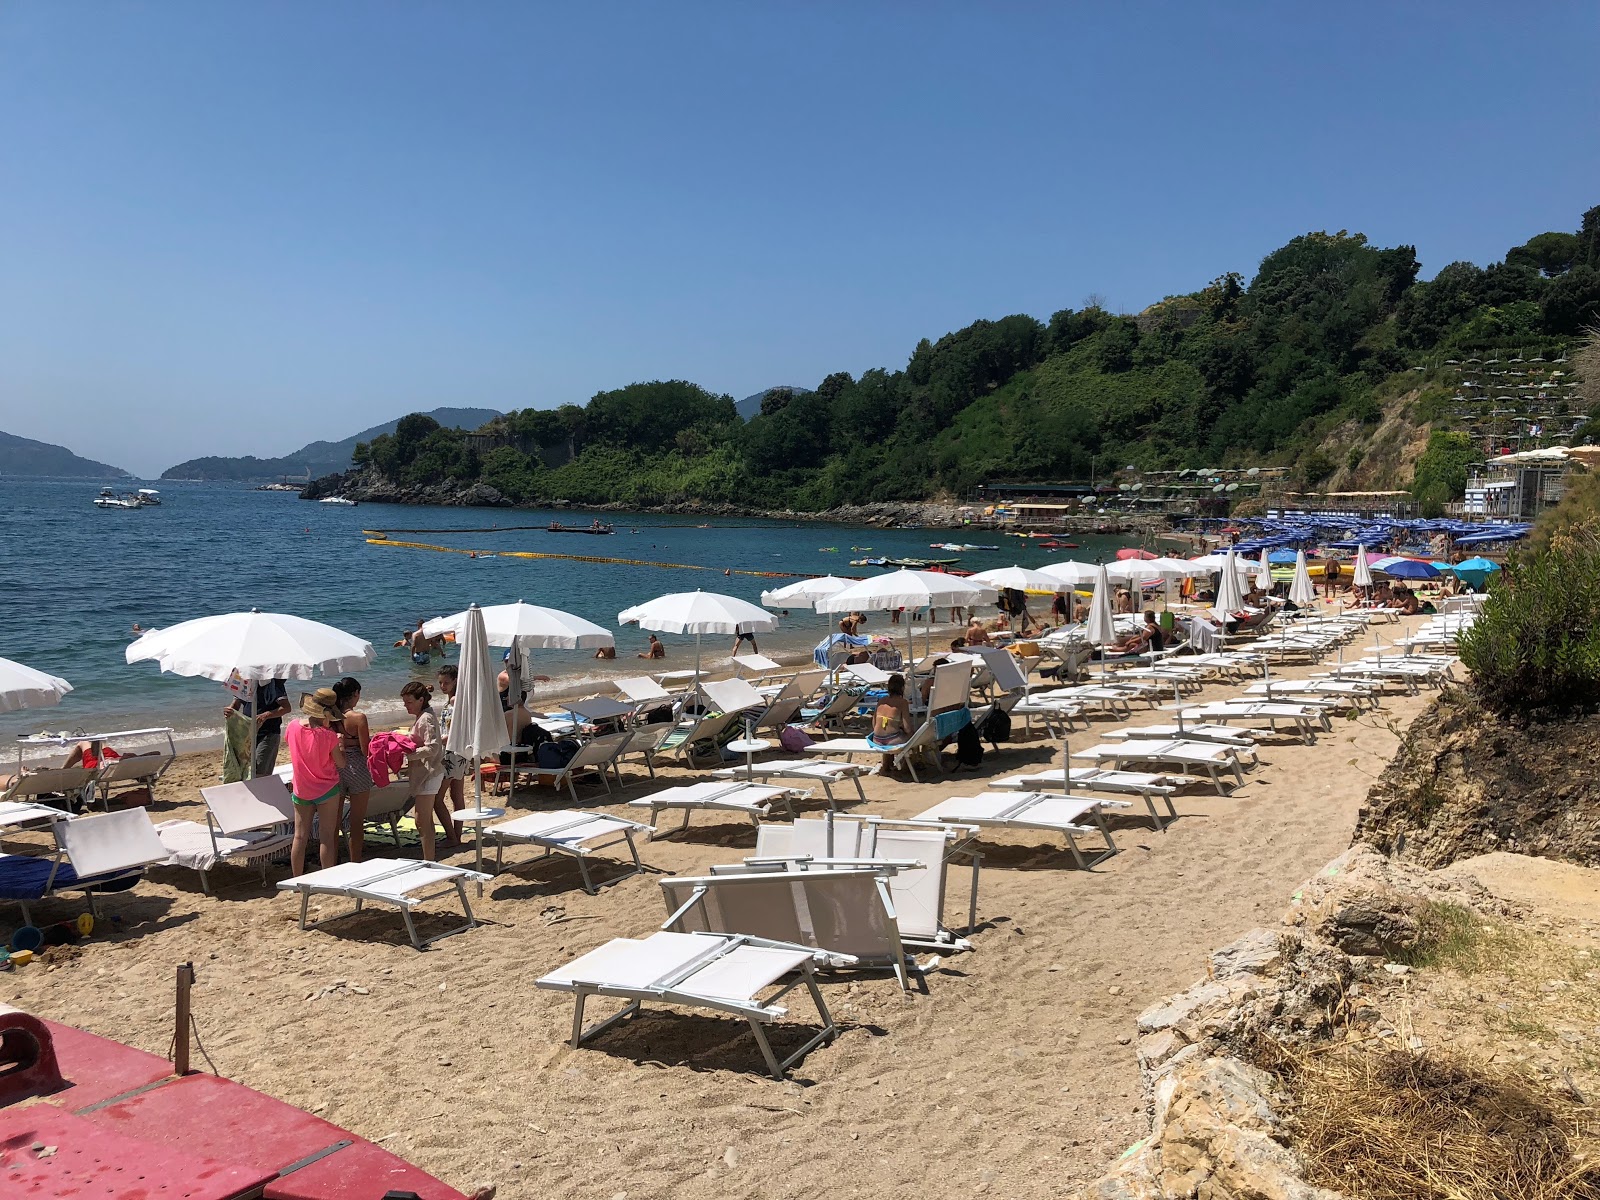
[(317, 755)]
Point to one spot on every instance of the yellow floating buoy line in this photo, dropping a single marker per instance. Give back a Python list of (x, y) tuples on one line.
[(588, 558)]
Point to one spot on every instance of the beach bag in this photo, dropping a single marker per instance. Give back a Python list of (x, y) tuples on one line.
[(794, 739), (969, 746), (997, 727), (533, 735), (556, 753)]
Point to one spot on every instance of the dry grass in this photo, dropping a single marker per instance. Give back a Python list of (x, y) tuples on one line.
[(1453, 937), (1390, 1125)]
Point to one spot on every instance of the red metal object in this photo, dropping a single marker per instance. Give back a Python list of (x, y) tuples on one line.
[(118, 1123)]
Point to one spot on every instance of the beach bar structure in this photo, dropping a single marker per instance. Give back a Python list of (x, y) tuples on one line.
[(1520, 486)]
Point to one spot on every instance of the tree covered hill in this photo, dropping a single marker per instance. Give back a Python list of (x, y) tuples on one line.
[(1258, 371), (24, 456)]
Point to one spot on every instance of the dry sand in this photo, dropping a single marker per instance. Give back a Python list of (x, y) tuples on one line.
[(1010, 1074)]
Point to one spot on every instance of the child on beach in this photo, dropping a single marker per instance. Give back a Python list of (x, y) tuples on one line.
[(317, 756)]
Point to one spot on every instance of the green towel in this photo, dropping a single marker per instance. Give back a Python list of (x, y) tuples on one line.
[(236, 753)]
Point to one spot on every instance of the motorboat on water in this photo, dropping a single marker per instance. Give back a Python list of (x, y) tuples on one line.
[(110, 499), (338, 500), (595, 526)]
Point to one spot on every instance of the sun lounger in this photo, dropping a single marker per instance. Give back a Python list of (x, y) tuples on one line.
[(132, 771), (1147, 786), (248, 821), (571, 832), (834, 710), (824, 772), (95, 854), (1030, 810), (642, 690), (24, 814), (1304, 719), (754, 801), (866, 674), (922, 850), (924, 741), (596, 756), (699, 737), (723, 973), (1188, 757), (844, 913), (757, 665), (68, 788), (402, 882), (1354, 693), (1222, 735)]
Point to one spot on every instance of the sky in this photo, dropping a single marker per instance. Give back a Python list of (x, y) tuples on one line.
[(231, 228)]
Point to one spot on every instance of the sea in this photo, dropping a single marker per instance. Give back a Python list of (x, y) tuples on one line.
[(76, 579)]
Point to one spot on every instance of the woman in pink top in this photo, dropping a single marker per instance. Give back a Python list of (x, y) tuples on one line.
[(316, 754)]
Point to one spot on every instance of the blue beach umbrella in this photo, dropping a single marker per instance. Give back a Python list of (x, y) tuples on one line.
[(1406, 568), (1475, 570)]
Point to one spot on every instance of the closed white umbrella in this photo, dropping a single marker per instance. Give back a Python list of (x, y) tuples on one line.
[(804, 593), (254, 645), (1023, 580), (1264, 573), (1362, 578), (1100, 630), (1301, 590), (477, 722), (23, 687), (698, 613), (1229, 596)]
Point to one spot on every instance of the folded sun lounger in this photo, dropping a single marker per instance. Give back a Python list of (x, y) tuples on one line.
[(402, 882), (576, 834), (720, 972)]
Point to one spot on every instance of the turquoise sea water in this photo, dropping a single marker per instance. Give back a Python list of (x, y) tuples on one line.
[(74, 579)]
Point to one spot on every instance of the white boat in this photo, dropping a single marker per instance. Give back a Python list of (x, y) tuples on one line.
[(149, 497), (337, 500), (109, 499)]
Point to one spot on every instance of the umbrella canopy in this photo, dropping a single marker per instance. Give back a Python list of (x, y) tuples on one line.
[(908, 589), (1133, 552), (1072, 572), (1023, 580), (24, 687), (1216, 562), (1301, 590), (526, 625), (1408, 568), (1476, 570), (1230, 597), (1362, 577), (477, 722), (698, 613), (1173, 568), (1264, 573), (254, 645), (804, 593), (1100, 630)]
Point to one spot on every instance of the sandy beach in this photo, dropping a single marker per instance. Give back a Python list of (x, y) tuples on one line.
[(1009, 1074)]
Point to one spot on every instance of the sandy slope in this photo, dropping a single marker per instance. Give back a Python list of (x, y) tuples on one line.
[(1010, 1074)]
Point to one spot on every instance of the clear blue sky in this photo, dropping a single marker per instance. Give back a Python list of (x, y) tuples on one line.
[(230, 228)]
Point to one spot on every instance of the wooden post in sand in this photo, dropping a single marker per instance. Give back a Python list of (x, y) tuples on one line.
[(180, 1034)]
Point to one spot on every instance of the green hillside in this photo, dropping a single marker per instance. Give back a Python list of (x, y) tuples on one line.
[(1285, 368), (24, 456)]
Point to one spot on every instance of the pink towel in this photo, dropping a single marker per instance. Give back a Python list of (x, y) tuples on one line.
[(386, 755)]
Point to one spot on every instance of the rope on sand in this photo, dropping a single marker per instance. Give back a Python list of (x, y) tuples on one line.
[(589, 558)]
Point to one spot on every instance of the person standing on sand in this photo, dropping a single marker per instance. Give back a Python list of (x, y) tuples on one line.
[(1330, 577), (317, 755), (355, 777), (425, 764), (267, 706), (455, 767)]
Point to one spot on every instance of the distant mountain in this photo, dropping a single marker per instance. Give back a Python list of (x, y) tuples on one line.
[(24, 456), (750, 406), (318, 458)]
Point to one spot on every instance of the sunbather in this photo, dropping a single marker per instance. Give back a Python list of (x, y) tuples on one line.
[(316, 752), (891, 721), (655, 649)]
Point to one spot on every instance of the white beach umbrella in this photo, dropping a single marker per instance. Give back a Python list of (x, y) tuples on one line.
[(1023, 580), (23, 687), (1230, 598), (1264, 573), (528, 626), (698, 613), (1171, 568), (254, 645), (1100, 629), (912, 590), (1362, 577), (1301, 590), (1072, 572), (477, 723), (1211, 563), (805, 593)]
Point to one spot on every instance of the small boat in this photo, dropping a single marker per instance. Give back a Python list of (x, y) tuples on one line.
[(917, 564), (594, 526), (148, 498), (338, 500), (1058, 545), (868, 562), (109, 499)]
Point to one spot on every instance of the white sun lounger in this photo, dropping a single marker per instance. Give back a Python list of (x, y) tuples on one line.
[(1188, 757), (641, 689), (923, 851), (248, 821), (571, 832), (1031, 810), (102, 852), (1354, 692), (758, 665), (922, 742), (596, 756), (843, 913), (1147, 786), (22, 814), (66, 787), (749, 800), (1305, 719), (722, 973), (1222, 735), (402, 882), (823, 772)]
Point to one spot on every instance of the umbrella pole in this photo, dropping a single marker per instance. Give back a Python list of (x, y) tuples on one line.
[(477, 804)]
